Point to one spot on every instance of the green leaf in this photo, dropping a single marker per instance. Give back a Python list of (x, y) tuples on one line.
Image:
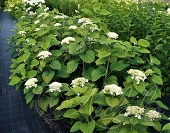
[(45, 45), (78, 89), (99, 98), (139, 87), (103, 53), (97, 73), (112, 102), (139, 60), (86, 109), (104, 12), (72, 66), (101, 61), (76, 126), (96, 6), (87, 128), (154, 60), (43, 103), (24, 56), (147, 123), (37, 90), (143, 43), (133, 40), (118, 119), (42, 63), (34, 62), (94, 35), (56, 53), (156, 79), (71, 113), (125, 130), (14, 80), (31, 74), (47, 76), (55, 65), (134, 120), (88, 56), (29, 95), (160, 104), (121, 54), (75, 48), (143, 50), (118, 66), (86, 11), (65, 104), (166, 127), (111, 80)]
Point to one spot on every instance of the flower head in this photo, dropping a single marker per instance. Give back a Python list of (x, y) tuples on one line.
[(44, 54), (37, 21), (134, 110), (60, 16), (57, 24), (55, 86), (79, 82), (67, 40), (168, 11), (73, 27), (137, 75), (31, 83), (153, 114), (22, 33), (113, 89), (112, 35)]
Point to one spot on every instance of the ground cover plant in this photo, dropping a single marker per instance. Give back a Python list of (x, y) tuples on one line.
[(95, 70)]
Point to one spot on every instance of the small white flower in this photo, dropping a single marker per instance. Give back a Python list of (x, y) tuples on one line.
[(80, 81), (43, 25), (37, 21), (55, 86), (44, 54), (37, 29), (112, 35), (73, 27), (22, 33), (85, 20), (67, 40), (134, 110), (168, 11), (152, 114), (113, 89), (44, 15), (60, 16), (31, 83), (46, 9), (57, 24)]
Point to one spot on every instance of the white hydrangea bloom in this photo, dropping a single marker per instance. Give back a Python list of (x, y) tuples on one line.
[(55, 86), (80, 81), (46, 9), (44, 54), (37, 29), (43, 25), (22, 33), (31, 13), (134, 110), (113, 89), (31, 83), (112, 35), (73, 27), (94, 27), (85, 20), (57, 24), (67, 40), (44, 15), (153, 114), (37, 21), (137, 75), (168, 11), (60, 16)]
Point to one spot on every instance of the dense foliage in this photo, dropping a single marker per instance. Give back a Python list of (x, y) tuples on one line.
[(97, 67)]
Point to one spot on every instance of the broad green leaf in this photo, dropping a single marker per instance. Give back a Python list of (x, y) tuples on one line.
[(96, 6), (31, 74), (125, 130), (43, 103), (166, 127), (94, 35), (139, 60), (100, 61), (37, 90), (56, 53), (20, 67), (87, 73), (118, 66), (143, 50), (14, 80), (97, 73), (87, 128), (45, 45), (75, 48), (24, 56), (143, 43), (34, 62), (42, 63), (47, 76), (78, 89), (76, 126), (65, 104), (102, 53), (118, 119), (111, 80), (139, 87), (99, 98), (112, 102), (71, 113), (160, 104), (63, 72), (86, 109), (154, 60), (134, 120), (28, 96), (86, 11), (55, 65), (133, 40), (147, 123), (121, 54), (104, 12), (72, 66), (156, 79), (88, 56)]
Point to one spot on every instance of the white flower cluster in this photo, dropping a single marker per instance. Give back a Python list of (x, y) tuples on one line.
[(31, 83), (168, 11), (37, 21), (73, 27), (80, 81), (94, 27), (44, 15), (67, 40), (153, 114), (31, 13), (137, 75), (33, 2), (22, 33), (44, 54), (134, 110), (55, 86), (112, 35), (57, 24), (113, 89), (60, 16), (43, 25), (85, 21)]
